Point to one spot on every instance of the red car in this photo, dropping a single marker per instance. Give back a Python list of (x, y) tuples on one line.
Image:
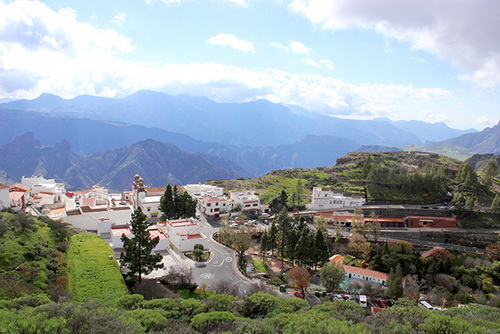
[(299, 294), (382, 303)]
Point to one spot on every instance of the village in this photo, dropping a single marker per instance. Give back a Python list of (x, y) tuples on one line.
[(108, 214)]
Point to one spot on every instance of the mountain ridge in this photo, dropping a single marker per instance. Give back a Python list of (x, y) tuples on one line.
[(158, 163), (251, 123)]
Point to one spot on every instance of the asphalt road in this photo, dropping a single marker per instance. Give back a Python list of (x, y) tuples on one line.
[(222, 264)]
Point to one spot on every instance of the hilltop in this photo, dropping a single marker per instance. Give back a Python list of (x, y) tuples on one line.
[(355, 171)]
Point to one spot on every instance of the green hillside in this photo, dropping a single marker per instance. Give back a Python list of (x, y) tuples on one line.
[(32, 258), (382, 173)]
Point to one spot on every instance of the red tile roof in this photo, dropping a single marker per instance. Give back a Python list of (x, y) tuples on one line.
[(366, 272), (19, 187), (194, 236), (3, 186), (337, 258), (448, 219)]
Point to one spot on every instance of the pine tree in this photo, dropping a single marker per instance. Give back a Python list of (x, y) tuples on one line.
[(304, 252), (189, 205), (167, 204), (320, 249), (264, 243), (471, 203), (490, 171), (284, 227), (273, 232), (137, 257), (395, 284), (495, 205)]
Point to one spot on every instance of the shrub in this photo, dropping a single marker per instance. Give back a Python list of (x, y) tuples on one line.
[(30, 301), (206, 322), (147, 319), (129, 302), (276, 280), (259, 304), (219, 302)]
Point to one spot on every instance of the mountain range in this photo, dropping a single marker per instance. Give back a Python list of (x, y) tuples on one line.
[(256, 123), (233, 139), (486, 141), (158, 163)]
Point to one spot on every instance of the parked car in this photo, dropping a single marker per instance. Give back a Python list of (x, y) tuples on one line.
[(338, 297), (320, 293), (299, 294), (349, 297), (363, 301), (382, 303)]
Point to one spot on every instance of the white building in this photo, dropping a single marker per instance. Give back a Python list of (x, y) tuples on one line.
[(248, 200), (4, 197), (19, 196), (203, 190), (46, 186), (149, 205), (117, 232), (86, 217), (212, 207), (331, 199), (31, 181), (183, 233)]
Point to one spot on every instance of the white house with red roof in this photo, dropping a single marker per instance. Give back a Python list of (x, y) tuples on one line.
[(117, 232), (18, 196), (249, 202), (212, 207), (4, 197), (107, 230), (363, 274), (183, 234)]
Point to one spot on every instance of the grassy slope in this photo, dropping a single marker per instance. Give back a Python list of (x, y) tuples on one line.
[(454, 152), (348, 174), (93, 271)]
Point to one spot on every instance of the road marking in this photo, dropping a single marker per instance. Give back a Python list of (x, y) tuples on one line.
[(229, 259), (207, 275)]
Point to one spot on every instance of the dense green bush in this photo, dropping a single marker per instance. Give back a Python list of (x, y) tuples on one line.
[(205, 322), (219, 302), (130, 302), (259, 304)]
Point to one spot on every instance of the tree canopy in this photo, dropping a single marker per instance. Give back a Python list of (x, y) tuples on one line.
[(137, 257)]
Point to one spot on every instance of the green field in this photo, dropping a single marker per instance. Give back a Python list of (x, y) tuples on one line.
[(93, 271)]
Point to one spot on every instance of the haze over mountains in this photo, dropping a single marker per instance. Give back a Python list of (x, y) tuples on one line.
[(158, 163), (232, 139), (256, 123)]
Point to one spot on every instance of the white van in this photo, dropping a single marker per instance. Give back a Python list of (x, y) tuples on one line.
[(362, 301)]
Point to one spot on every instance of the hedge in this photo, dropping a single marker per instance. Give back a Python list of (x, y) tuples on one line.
[(94, 273)]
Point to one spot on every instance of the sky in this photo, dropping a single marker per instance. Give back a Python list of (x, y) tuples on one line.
[(430, 60)]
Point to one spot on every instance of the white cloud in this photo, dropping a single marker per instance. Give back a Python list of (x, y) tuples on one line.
[(311, 62), (298, 47), (119, 18), (483, 121), (328, 64), (428, 116), (34, 25), (42, 50), (463, 31), (243, 3), (293, 46), (231, 41)]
